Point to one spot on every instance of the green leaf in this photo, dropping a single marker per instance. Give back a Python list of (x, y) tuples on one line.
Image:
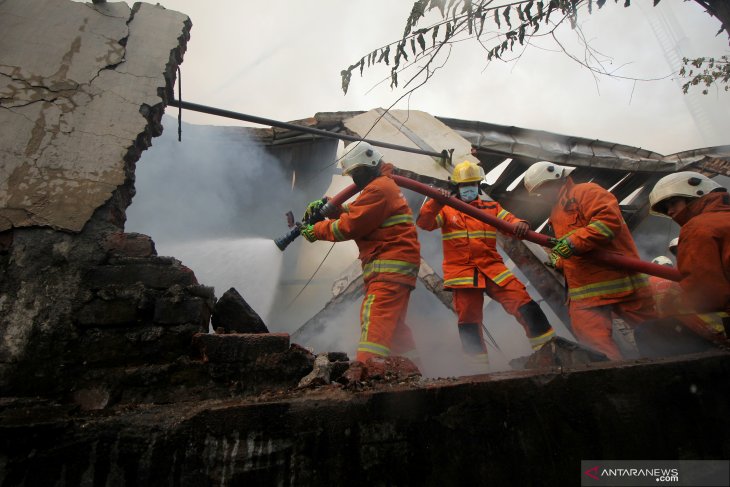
[(521, 36), (417, 11), (451, 4), (435, 33), (520, 14), (539, 10), (421, 42), (384, 55), (600, 3), (394, 78), (362, 65), (506, 16), (496, 18), (440, 4), (528, 7), (413, 45), (346, 75), (483, 19), (551, 7), (401, 50)]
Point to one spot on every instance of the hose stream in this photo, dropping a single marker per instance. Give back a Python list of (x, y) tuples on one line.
[(609, 258)]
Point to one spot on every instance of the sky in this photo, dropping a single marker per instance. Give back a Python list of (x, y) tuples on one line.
[(282, 60)]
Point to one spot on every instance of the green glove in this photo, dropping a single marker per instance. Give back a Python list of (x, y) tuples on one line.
[(553, 260), (307, 231), (562, 247), (312, 214)]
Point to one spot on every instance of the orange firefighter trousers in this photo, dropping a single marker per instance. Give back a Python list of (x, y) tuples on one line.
[(594, 326), (469, 302), (383, 329)]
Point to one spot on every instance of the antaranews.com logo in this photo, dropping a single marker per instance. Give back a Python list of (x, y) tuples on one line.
[(655, 472)]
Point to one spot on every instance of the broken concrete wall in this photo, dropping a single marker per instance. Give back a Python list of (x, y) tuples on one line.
[(520, 428), (82, 91)]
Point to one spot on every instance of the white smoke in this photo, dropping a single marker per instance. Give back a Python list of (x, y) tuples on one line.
[(251, 265), (215, 201)]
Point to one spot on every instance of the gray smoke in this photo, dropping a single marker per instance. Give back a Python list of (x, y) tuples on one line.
[(217, 182)]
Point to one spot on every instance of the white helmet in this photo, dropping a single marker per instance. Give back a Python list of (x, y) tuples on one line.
[(361, 155), (688, 184), (673, 245), (663, 260), (542, 172)]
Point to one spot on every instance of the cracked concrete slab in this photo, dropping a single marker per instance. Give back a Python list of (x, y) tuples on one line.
[(81, 91)]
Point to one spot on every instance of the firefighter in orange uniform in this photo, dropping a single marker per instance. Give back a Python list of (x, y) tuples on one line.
[(585, 217), (381, 224), (702, 311), (664, 290), (472, 265)]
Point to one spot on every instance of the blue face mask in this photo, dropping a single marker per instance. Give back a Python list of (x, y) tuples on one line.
[(468, 193)]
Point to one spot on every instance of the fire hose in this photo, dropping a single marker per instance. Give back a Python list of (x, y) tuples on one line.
[(609, 258)]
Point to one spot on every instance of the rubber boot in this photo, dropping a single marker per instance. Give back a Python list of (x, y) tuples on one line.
[(473, 344), (538, 329)]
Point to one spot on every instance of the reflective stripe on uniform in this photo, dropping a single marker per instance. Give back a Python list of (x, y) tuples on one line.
[(459, 281), (602, 228), (439, 220), (336, 231), (609, 287), (537, 342), (468, 234), (503, 214), (479, 358), (502, 276), (397, 219), (714, 320), (375, 348), (453, 235), (482, 234), (395, 266), (367, 305)]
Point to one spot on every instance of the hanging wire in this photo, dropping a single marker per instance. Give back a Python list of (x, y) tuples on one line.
[(491, 339), (179, 107), (312, 277)]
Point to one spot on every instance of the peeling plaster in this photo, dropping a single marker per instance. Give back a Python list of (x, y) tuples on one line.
[(76, 83)]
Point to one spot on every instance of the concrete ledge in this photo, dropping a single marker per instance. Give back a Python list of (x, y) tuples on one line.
[(516, 428), (238, 347)]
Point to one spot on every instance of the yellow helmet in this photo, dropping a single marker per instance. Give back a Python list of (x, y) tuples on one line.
[(467, 172)]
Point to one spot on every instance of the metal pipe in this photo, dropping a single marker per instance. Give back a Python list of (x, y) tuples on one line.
[(444, 155), (608, 258)]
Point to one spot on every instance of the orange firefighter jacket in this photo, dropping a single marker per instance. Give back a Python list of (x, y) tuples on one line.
[(381, 224), (591, 217), (703, 258), (470, 245), (665, 292)]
